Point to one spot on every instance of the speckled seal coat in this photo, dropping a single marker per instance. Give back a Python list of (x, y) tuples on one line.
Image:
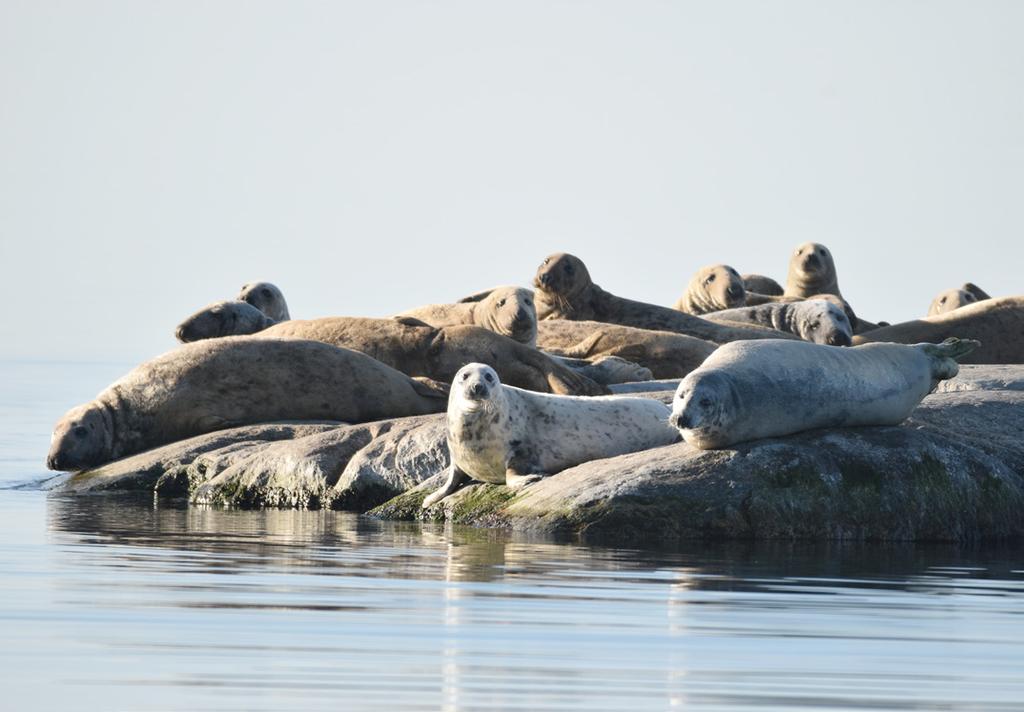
[(222, 383), (565, 291), (505, 435), (760, 389), (816, 320)]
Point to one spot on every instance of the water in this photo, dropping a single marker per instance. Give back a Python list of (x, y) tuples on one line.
[(115, 603)]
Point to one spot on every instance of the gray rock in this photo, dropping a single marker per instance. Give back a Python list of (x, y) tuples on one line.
[(953, 472), (995, 377), (143, 471)]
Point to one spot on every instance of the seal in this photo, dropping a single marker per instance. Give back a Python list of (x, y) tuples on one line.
[(760, 284), (711, 289), (508, 311), (418, 349), (949, 300), (504, 435), (997, 323), (222, 383), (566, 291), (811, 271), (763, 389), (665, 353), (267, 298), (228, 318), (818, 320)]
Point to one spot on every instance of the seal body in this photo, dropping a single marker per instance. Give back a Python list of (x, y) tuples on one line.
[(267, 298), (712, 289), (505, 435), (760, 389), (227, 318), (222, 383), (665, 353), (418, 349), (762, 285), (816, 320), (565, 291), (997, 323), (508, 311), (811, 271)]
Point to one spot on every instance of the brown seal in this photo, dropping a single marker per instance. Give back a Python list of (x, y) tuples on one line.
[(711, 289), (665, 353), (508, 311), (951, 299), (223, 383), (565, 291), (760, 284), (229, 318), (811, 271), (267, 298), (997, 323), (418, 349)]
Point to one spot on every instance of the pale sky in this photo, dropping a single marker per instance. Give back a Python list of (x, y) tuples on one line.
[(371, 157)]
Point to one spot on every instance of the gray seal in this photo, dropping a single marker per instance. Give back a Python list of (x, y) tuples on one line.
[(508, 311), (760, 284), (951, 299), (267, 298), (712, 289), (504, 435), (761, 389), (811, 271), (818, 320), (228, 318), (997, 323), (223, 383), (566, 291)]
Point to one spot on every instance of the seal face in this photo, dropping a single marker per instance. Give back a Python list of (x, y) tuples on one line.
[(508, 311), (81, 438), (949, 300), (267, 298), (713, 288), (757, 389), (811, 271), (228, 318), (563, 275)]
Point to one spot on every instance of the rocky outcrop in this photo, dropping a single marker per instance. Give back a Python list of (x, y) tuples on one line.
[(954, 472)]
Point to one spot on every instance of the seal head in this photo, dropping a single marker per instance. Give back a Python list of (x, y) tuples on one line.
[(563, 275), (811, 271), (267, 298), (229, 318), (951, 299), (704, 408), (81, 439), (823, 322), (508, 311), (713, 288)]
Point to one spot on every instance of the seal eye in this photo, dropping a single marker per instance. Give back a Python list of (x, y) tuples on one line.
[(489, 377), (943, 300), (80, 431), (710, 279), (546, 260), (568, 269), (705, 402), (822, 252), (465, 376), (501, 302), (265, 293)]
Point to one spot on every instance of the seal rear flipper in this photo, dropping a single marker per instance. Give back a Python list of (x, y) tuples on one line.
[(478, 297), (411, 321), (564, 381), (429, 388), (946, 355)]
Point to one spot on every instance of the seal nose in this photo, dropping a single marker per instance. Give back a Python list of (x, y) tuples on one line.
[(812, 260), (52, 462), (735, 291), (478, 390), (544, 278), (179, 333), (840, 338), (521, 314), (679, 420)]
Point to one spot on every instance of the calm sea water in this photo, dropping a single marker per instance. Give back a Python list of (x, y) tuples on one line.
[(113, 603)]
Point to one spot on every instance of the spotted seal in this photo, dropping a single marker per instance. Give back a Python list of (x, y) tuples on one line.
[(761, 389), (504, 435), (817, 320)]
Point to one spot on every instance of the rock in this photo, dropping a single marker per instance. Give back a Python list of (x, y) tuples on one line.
[(170, 462), (1001, 377), (953, 472), (353, 467)]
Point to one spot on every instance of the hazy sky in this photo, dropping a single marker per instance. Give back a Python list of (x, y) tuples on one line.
[(370, 157)]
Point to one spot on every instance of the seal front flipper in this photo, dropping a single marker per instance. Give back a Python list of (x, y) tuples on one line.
[(411, 321), (429, 388), (515, 482), (456, 479), (522, 468)]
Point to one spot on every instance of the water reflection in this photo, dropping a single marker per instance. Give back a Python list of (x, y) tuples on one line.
[(259, 610)]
